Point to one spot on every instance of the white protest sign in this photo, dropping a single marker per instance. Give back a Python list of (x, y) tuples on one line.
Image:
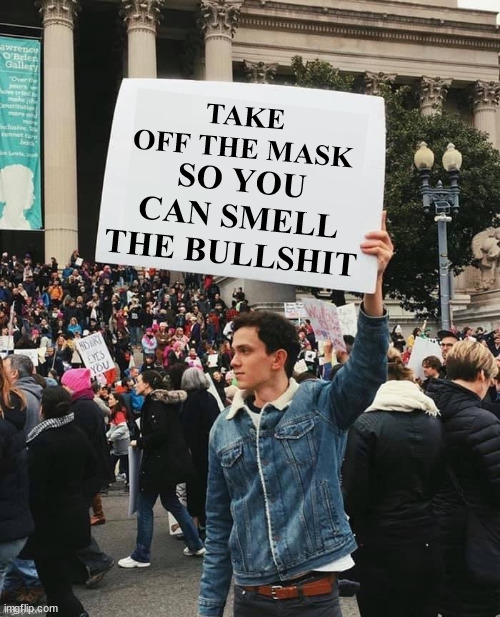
[(31, 353), (294, 310), (348, 319), (6, 342), (421, 349), (94, 353), (325, 322), (244, 180)]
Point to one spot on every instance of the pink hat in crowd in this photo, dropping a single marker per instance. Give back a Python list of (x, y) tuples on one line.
[(77, 379), (178, 345)]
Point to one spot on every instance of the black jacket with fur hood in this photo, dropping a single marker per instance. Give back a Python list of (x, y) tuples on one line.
[(166, 459)]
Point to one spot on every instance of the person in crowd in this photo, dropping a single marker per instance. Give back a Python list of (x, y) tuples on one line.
[(431, 365), (176, 355), (394, 465), (472, 436), (149, 363), (220, 385), (118, 434), (100, 401), (275, 518), (494, 343), (397, 338), (63, 477), (447, 340), (74, 327), (22, 583), (89, 417), (149, 342), (193, 361), (90, 563), (162, 338), (16, 522), (198, 414), (410, 341), (165, 463)]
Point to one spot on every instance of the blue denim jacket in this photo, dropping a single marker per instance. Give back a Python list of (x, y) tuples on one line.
[(274, 504)]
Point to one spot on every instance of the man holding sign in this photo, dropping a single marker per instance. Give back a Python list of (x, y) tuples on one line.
[(275, 517)]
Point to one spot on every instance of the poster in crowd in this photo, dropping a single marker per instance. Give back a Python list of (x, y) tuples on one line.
[(330, 322), (244, 180), (420, 350), (95, 353), (20, 165), (295, 310)]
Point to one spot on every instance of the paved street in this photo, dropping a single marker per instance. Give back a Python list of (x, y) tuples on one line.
[(168, 588)]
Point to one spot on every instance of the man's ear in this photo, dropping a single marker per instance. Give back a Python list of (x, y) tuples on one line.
[(280, 357)]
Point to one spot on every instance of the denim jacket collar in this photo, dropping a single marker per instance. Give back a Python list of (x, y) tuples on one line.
[(280, 403)]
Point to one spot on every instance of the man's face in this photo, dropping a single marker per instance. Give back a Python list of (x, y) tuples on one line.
[(253, 367), (429, 371), (446, 344)]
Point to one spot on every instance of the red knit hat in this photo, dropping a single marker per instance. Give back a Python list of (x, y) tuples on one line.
[(77, 379)]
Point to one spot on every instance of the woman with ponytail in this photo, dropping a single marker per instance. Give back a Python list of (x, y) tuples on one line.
[(165, 463), (16, 522), (63, 479), (394, 465)]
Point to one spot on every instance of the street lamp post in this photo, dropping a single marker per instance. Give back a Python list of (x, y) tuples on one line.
[(445, 202)]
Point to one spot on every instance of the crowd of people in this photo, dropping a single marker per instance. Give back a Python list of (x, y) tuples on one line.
[(292, 454)]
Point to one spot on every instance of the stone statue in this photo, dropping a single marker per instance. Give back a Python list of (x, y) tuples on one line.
[(486, 250)]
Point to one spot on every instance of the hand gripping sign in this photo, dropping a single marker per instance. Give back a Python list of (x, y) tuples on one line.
[(244, 180)]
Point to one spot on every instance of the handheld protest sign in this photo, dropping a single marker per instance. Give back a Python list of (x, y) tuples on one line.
[(325, 322), (420, 350), (244, 180), (95, 353)]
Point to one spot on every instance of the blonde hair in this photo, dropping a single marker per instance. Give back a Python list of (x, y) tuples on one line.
[(467, 358), (396, 370)]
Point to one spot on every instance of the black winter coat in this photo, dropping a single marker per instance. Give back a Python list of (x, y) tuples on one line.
[(166, 460), (15, 516), (198, 414), (473, 452), (89, 417), (394, 464), (63, 479)]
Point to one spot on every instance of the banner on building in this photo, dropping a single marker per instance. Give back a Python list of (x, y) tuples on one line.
[(20, 167), (254, 181)]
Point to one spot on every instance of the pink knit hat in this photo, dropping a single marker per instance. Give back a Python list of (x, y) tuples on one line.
[(77, 379)]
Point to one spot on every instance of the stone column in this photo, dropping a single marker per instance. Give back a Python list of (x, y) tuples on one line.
[(141, 17), (219, 21), (432, 94), (374, 81), (60, 187), (485, 101), (260, 72)]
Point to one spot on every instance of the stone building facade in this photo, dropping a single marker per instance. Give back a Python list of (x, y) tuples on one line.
[(449, 55)]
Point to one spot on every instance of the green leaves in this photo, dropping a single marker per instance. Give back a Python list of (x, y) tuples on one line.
[(412, 276)]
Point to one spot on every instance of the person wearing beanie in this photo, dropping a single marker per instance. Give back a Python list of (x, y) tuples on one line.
[(89, 418)]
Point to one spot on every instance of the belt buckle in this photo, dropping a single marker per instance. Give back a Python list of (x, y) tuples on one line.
[(274, 589)]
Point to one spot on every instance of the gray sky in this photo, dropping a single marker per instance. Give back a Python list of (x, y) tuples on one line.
[(488, 5)]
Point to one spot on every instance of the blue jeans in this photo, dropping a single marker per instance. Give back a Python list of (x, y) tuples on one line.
[(21, 571), (249, 604), (8, 551), (145, 518)]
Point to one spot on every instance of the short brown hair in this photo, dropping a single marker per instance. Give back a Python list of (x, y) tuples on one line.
[(275, 332), (432, 362), (467, 358)]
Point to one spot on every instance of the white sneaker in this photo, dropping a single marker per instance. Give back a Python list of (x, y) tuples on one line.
[(199, 553), (128, 562)]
